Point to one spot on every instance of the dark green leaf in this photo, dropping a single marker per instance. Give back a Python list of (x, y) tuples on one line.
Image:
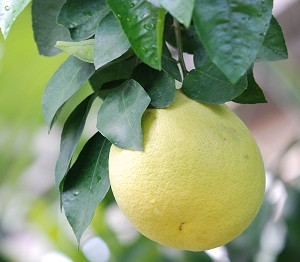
[(9, 11), (116, 70), (200, 56), (119, 118), (143, 24), (71, 133), (158, 84), (88, 29), (76, 12), (86, 183), (169, 64), (209, 85), (181, 9), (109, 31), (273, 47), (253, 94), (66, 81), (46, 31), (232, 32), (84, 50)]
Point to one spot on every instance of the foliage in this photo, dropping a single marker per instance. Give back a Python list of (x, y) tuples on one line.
[(115, 45)]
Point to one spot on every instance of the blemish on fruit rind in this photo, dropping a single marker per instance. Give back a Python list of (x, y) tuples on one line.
[(181, 226)]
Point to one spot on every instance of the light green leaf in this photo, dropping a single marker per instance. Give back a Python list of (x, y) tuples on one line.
[(46, 31), (109, 31), (181, 9), (84, 50), (232, 32), (119, 118), (70, 136), (9, 11), (208, 84), (143, 24), (86, 184), (273, 47), (65, 82)]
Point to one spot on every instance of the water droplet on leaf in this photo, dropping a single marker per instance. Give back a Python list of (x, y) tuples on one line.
[(7, 8), (76, 193), (132, 5)]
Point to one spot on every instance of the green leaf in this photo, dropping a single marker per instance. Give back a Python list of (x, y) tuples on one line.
[(208, 84), (181, 9), (200, 57), (76, 12), (9, 11), (232, 32), (158, 84), (86, 184), (70, 136), (109, 31), (46, 31), (273, 47), (116, 70), (65, 82), (119, 118), (88, 29), (169, 64), (84, 50), (253, 94), (143, 24)]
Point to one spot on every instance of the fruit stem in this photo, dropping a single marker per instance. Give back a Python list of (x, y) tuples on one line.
[(177, 30)]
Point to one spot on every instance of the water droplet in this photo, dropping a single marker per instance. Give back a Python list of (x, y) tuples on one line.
[(262, 1), (119, 16), (7, 8), (76, 193), (259, 14), (132, 5), (264, 9), (145, 49), (147, 27), (128, 19), (152, 26), (135, 17)]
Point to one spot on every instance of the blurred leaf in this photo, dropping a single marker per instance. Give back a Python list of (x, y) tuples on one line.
[(180, 9), (46, 31), (273, 47), (70, 136), (76, 12), (208, 84), (109, 31), (158, 84), (169, 64), (232, 32), (86, 183), (119, 118), (9, 11), (84, 50), (65, 82), (143, 24), (253, 94), (116, 70)]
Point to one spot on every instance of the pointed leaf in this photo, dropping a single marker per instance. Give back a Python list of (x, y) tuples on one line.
[(88, 29), (232, 32), (181, 9), (84, 50), (143, 24), (158, 84), (119, 118), (273, 47), (109, 31), (253, 94), (9, 11), (65, 82), (117, 70), (86, 184), (46, 31), (70, 136), (170, 65), (76, 12), (208, 84)]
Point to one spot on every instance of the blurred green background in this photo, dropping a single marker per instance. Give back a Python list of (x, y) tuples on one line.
[(33, 229)]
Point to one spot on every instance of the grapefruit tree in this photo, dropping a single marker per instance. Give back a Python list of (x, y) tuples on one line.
[(183, 168)]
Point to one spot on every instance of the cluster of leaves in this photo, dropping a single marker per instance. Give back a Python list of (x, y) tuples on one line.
[(122, 47)]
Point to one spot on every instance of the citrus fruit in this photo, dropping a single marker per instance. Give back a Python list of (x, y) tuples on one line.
[(198, 183)]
